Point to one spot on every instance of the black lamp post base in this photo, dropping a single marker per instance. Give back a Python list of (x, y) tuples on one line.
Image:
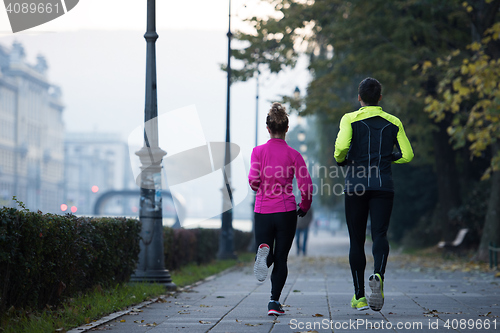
[(160, 276)]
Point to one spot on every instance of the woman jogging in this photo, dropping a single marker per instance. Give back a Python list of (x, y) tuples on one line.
[(365, 144), (273, 167)]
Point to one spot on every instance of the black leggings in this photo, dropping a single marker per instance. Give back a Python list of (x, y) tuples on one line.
[(379, 205), (276, 230)]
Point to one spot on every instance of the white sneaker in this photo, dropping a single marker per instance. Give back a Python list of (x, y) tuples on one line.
[(260, 266), (376, 299)]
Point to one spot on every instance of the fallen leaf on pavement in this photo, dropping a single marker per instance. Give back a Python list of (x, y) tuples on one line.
[(318, 315), (204, 322), (150, 325)]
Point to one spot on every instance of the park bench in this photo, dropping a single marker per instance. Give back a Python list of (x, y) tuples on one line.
[(456, 244)]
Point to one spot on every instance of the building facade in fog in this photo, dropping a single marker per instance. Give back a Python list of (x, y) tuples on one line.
[(95, 164), (31, 133)]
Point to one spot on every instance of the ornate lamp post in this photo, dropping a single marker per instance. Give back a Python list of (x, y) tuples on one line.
[(151, 267), (226, 241), (252, 247)]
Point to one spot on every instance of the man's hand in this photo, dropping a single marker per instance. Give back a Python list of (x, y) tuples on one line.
[(396, 156), (344, 162)]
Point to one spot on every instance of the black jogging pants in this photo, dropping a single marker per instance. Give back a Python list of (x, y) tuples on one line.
[(276, 230), (378, 205)]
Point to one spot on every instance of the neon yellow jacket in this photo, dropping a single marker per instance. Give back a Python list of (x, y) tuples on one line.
[(365, 143)]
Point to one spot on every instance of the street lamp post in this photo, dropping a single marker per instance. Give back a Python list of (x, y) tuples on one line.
[(252, 246), (226, 240), (257, 107), (151, 266)]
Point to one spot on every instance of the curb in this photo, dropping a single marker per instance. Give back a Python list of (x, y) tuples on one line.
[(118, 314), (111, 317)]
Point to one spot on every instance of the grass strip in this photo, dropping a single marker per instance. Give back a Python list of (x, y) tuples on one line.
[(192, 273), (99, 302), (80, 310)]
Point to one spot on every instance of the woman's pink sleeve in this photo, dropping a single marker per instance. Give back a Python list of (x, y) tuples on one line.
[(254, 175), (304, 183)]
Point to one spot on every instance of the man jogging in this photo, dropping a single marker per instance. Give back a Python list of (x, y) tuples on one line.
[(365, 145)]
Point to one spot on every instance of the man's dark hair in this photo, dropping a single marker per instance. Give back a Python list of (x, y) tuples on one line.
[(369, 90)]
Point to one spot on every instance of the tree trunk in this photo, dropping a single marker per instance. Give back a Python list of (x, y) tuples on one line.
[(486, 17), (448, 183), (491, 230)]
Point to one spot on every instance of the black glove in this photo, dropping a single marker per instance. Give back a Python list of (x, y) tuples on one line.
[(301, 213), (344, 162), (396, 156)]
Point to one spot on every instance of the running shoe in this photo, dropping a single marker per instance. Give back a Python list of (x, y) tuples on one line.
[(260, 266), (275, 308), (359, 304), (376, 299)]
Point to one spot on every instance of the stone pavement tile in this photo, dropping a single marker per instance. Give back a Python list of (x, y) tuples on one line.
[(253, 326), (442, 303)]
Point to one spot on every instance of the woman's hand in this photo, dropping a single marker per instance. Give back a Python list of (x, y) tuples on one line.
[(301, 213)]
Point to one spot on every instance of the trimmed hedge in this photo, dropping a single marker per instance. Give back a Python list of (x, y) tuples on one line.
[(45, 256), (185, 246)]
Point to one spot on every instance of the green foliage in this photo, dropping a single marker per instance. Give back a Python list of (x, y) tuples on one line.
[(469, 91), (45, 256), (198, 246), (192, 273)]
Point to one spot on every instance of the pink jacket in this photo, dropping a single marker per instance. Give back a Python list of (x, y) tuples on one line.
[(272, 168)]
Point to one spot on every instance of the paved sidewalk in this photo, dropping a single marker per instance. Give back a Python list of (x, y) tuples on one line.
[(317, 298)]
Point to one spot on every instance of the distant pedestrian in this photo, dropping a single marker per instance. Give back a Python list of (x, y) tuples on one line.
[(365, 145), (273, 167), (303, 229)]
